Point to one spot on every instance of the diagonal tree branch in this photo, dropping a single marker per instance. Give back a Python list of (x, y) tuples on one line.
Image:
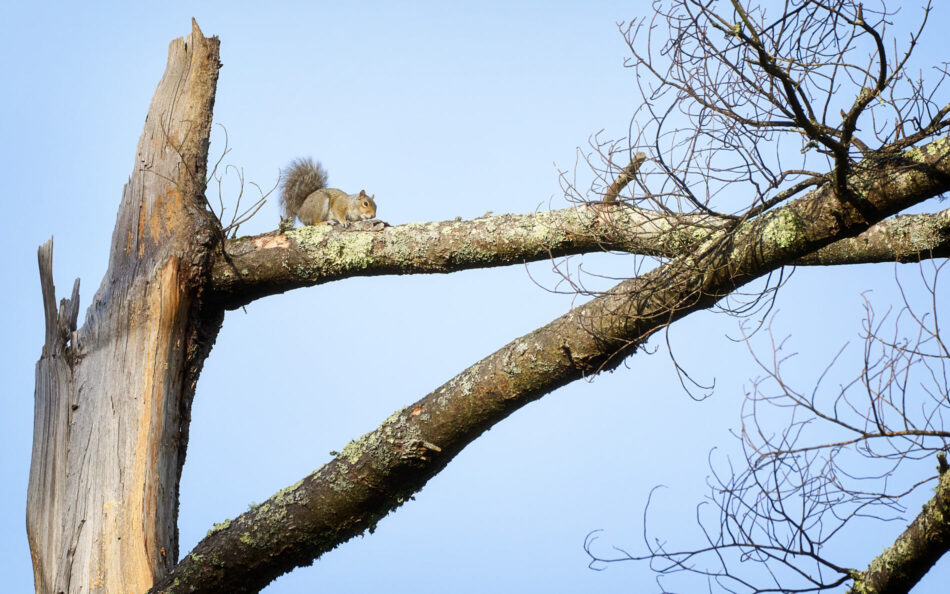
[(904, 563), (380, 471)]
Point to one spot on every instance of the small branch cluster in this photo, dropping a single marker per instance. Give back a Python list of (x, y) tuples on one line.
[(741, 110), (229, 230), (821, 464)]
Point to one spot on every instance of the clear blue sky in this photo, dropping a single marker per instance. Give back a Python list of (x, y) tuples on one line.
[(441, 110)]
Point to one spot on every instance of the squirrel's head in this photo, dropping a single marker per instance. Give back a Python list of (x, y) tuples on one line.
[(367, 206)]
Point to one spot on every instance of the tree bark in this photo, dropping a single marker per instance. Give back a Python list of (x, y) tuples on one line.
[(112, 398), (277, 262), (898, 569)]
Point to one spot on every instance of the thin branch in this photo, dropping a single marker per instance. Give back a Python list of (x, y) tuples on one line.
[(628, 174)]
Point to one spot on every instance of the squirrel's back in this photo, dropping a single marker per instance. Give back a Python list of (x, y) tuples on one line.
[(300, 179)]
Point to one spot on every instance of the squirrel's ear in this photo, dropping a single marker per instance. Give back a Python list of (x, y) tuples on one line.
[(362, 192)]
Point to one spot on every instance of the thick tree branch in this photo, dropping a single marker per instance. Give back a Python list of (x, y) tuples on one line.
[(904, 563), (380, 471), (274, 262), (904, 238)]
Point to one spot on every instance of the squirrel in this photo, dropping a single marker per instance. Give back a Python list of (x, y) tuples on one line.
[(304, 194)]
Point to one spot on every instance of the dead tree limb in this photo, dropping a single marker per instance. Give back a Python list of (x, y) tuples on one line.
[(113, 398)]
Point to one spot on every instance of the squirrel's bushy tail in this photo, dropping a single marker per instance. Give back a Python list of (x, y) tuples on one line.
[(300, 179)]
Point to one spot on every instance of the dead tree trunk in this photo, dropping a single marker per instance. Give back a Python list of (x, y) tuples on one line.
[(113, 398)]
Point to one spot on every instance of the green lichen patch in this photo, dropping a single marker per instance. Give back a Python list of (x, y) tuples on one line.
[(936, 150), (784, 229), (350, 251), (310, 236), (218, 526)]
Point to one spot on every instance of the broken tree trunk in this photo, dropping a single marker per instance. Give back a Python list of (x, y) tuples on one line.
[(113, 397)]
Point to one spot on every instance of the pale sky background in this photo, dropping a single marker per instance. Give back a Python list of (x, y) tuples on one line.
[(441, 110)]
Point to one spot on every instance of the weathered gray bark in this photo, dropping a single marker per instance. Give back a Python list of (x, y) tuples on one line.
[(112, 398)]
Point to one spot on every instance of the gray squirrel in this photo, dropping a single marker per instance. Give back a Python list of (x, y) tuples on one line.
[(304, 194)]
